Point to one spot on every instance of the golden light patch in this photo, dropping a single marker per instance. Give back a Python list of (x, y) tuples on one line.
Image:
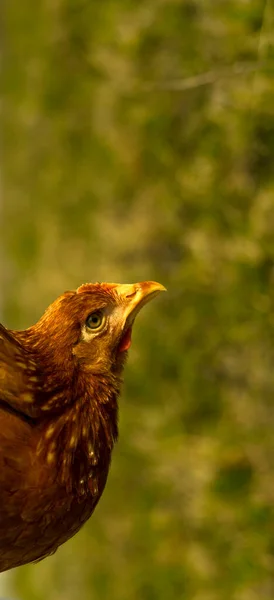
[(28, 397), (21, 364), (93, 486), (50, 458), (90, 450), (72, 441), (50, 431), (93, 459)]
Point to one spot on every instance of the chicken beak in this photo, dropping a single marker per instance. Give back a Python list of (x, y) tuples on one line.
[(135, 296)]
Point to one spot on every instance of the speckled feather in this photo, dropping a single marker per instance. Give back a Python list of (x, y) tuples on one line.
[(59, 386)]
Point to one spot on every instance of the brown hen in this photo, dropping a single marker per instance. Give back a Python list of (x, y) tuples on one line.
[(59, 384)]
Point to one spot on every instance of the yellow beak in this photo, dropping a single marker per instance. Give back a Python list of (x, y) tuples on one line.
[(134, 296)]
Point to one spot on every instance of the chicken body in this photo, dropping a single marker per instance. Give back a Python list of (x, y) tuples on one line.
[(59, 385)]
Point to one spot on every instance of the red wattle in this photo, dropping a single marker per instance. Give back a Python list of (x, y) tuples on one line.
[(125, 341)]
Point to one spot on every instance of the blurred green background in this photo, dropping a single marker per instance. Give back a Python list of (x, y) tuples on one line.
[(139, 144)]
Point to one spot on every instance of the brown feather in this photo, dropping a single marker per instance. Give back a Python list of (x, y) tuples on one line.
[(59, 385)]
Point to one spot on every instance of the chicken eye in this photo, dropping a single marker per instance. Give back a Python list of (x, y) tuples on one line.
[(95, 320)]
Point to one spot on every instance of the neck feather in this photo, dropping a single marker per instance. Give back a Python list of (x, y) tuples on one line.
[(79, 441)]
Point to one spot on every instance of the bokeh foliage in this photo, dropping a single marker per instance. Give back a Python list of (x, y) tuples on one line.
[(139, 143)]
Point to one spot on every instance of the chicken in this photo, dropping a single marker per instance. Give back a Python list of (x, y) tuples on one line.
[(59, 384)]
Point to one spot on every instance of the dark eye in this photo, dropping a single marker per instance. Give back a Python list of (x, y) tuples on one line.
[(95, 320)]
